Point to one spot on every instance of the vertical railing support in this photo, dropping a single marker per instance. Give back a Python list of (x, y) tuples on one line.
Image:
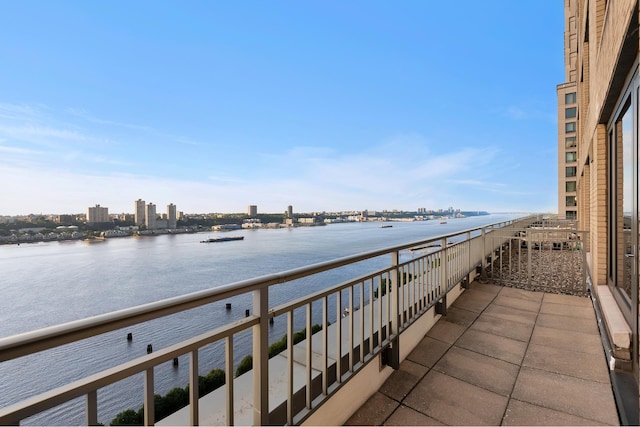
[(149, 408), (394, 292), (194, 389), (92, 408), (483, 263), (229, 380), (469, 266), (261, 358), (444, 255)]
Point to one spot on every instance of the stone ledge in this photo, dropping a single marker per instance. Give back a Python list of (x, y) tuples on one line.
[(617, 327)]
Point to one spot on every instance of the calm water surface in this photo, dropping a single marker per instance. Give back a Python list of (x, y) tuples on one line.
[(50, 283)]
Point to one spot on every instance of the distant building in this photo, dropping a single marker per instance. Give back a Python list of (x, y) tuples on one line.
[(253, 210), (139, 212), (150, 216), (172, 220), (65, 219), (289, 211), (97, 214)]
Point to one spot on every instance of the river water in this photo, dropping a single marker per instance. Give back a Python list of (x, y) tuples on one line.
[(49, 283)]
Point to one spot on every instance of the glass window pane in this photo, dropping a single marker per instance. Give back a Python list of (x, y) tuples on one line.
[(571, 171), (570, 142), (570, 113), (571, 156), (570, 98), (571, 201), (570, 186), (570, 127)]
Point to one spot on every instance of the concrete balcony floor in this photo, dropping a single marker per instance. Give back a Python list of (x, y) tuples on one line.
[(501, 356)]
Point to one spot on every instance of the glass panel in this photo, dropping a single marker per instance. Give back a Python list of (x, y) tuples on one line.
[(570, 127), (571, 156), (624, 141), (570, 186), (570, 98), (570, 142), (570, 113), (571, 171), (571, 201)]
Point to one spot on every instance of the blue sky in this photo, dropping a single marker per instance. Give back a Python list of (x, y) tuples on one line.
[(325, 105)]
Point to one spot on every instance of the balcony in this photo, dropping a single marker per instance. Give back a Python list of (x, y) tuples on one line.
[(371, 341)]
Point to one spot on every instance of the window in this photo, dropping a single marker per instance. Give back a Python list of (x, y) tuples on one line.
[(571, 201), (571, 171), (570, 142), (571, 215), (570, 127), (570, 186), (570, 98), (570, 113), (571, 156), (620, 251)]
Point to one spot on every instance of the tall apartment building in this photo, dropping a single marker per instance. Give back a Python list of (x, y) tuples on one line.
[(604, 57), (567, 119), (253, 210), (139, 212), (150, 216), (289, 211), (172, 219), (97, 214)]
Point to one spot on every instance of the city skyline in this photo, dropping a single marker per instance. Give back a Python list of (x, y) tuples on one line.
[(329, 106)]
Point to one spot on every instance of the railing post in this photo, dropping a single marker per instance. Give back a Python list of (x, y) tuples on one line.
[(483, 261), (261, 358), (443, 265), (92, 408), (149, 408), (469, 266), (194, 389), (394, 292), (229, 380)]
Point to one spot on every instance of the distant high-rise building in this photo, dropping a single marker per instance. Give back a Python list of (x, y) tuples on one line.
[(172, 221), (289, 211), (139, 212), (97, 214), (568, 118), (253, 210), (150, 216)]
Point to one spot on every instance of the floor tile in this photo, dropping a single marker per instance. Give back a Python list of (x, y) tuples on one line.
[(374, 412), (473, 300), (575, 324), (592, 367), (525, 414), (496, 326), (568, 310), (567, 300), (511, 314), (522, 294), (486, 287), (568, 340), (587, 399), (483, 371), (518, 303), (428, 352), (502, 348), (403, 380), (456, 402), (446, 331), (405, 416), (460, 316)]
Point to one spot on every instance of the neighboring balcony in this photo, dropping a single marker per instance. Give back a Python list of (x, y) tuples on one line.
[(435, 332)]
